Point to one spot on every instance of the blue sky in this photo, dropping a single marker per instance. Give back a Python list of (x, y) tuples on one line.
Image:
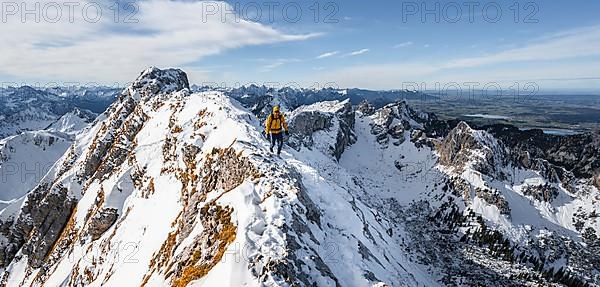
[(367, 44)]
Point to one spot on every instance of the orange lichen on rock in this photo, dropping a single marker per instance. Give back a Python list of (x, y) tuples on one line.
[(197, 266), (222, 170)]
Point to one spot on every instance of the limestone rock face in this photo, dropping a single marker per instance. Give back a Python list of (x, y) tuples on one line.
[(326, 125), (366, 108), (544, 192), (102, 222), (464, 146), (43, 218), (306, 123), (391, 122), (154, 81)]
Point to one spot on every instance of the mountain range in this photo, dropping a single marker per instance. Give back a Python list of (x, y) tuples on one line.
[(29, 108), (174, 185)]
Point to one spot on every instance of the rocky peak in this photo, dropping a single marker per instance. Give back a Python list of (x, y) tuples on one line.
[(87, 115), (366, 108), (328, 117), (465, 147), (154, 81), (391, 121)]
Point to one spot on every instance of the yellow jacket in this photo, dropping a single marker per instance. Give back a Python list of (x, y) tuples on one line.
[(274, 124)]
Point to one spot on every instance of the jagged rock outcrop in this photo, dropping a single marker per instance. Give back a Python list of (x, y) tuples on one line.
[(366, 108), (330, 118), (545, 192), (475, 154), (493, 197), (101, 222), (154, 81), (41, 221), (392, 121), (464, 147)]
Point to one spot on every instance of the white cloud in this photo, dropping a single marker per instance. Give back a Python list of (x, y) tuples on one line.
[(404, 45), (396, 76), (546, 52), (167, 33), (328, 54), (277, 63), (581, 42), (356, 53), (375, 76)]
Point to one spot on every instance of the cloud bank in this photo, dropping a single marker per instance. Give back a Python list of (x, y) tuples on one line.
[(118, 46)]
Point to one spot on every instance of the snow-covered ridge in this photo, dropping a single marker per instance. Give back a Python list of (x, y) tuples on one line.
[(72, 122), (325, 107)]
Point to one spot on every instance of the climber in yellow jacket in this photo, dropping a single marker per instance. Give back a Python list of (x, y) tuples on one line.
[(275, 125)]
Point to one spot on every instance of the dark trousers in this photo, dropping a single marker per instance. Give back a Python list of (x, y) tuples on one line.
[(277, 139)]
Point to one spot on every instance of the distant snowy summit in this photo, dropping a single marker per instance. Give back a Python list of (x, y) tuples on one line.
[(72, 122)]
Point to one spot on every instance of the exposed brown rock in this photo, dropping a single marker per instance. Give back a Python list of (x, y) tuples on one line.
[(101, 222), (304, 124), (545, 192)]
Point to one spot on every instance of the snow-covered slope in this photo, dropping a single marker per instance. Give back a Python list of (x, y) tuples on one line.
[(546, 215), (72, 122), (175, 188), (467, 209), (25, 158)]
